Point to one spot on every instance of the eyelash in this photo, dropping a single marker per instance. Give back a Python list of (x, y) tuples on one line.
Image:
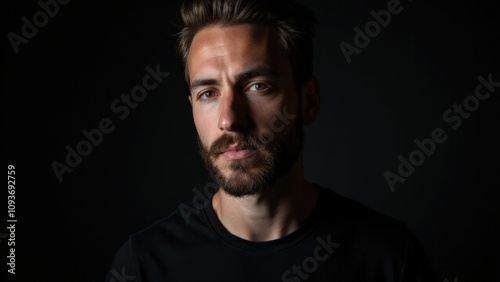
[(266, 90)]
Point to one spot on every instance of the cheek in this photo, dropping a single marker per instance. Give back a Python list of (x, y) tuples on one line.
[(273, 110), (263, 114), (206, 126)]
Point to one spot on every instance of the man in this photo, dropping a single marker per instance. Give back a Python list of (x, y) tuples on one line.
[(248, 65)]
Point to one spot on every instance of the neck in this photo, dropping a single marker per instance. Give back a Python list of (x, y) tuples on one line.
[(279, 211)]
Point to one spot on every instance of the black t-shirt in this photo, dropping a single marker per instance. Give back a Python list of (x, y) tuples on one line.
[(341, 241)]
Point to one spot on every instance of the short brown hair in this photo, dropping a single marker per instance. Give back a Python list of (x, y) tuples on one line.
[(293, 24)]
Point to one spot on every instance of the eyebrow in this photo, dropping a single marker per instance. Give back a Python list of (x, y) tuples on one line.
[(259, 71)]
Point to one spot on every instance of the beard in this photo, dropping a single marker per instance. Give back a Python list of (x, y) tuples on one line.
[(275, 153)]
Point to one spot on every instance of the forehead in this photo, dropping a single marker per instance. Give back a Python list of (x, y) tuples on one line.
[(234, 49)]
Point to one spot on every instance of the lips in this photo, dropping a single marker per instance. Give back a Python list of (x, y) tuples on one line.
[(237, 152)]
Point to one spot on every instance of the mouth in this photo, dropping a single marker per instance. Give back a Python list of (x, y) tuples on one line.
[(237, 152)]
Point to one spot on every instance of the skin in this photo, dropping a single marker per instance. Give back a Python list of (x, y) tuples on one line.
[(224, 102)]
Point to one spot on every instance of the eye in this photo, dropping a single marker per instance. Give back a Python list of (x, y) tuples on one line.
[(206, 95), (259, 86)]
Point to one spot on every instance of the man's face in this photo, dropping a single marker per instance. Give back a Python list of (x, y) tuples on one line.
[(245, 106)]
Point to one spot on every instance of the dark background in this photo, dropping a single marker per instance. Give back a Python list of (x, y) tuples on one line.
[(396, 90)]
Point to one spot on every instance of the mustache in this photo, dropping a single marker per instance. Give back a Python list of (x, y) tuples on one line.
[(244, 140)]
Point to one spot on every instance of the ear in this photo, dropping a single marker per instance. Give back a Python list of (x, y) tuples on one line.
[(310, 100), (190, 100)]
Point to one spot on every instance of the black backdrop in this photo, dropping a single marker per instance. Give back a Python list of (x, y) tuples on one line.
[(396, 89)]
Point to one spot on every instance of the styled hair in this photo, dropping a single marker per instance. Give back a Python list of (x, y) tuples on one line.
[(292, 23)]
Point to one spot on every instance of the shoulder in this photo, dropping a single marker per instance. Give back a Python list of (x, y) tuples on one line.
[(333, 206), (360, 225), (371, 242), (159, 244), (176, 227)]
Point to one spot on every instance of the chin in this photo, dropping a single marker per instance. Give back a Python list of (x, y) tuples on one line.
[(245, 182)]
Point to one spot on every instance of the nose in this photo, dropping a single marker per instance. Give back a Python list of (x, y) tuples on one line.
[(233, 112)]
